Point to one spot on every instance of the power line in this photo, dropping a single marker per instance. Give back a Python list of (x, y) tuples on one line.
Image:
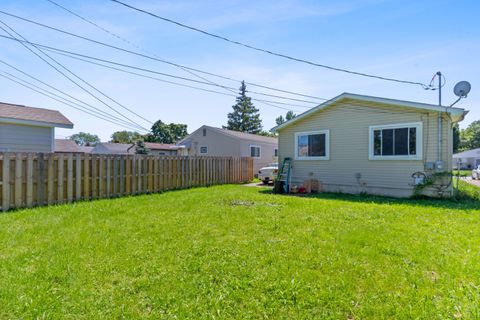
[(62, 100), (123, 39), (177, 83), (62, 73), (157, 59), (269, 51), (85, 105), (77, 56)]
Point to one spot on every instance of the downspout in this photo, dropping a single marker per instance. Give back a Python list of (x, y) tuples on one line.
[(439, 163)]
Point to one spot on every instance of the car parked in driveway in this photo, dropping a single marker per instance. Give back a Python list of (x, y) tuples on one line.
[(476, 173), (269, 173)]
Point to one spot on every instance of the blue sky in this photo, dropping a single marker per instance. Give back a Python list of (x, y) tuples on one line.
[(408, 40)]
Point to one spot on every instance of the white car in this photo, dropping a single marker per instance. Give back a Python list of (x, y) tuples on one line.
[(269, 173), (476, 173)]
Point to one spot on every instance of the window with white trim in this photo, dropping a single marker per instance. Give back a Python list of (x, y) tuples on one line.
[(255, 151), (396, 142), (313, 145), (203, 150)]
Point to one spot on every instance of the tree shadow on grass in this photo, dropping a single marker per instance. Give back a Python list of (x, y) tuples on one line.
[(463, 201)]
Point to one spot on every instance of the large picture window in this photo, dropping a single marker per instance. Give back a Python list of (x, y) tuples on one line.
[(396, 142), (312, 145)]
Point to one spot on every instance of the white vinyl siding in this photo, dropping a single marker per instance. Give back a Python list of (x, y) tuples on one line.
[(396, 141), (312, 145), (24, 138)]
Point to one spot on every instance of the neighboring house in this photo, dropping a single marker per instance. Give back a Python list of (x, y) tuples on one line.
[(113, 148), (27, 129), (354, 143), (211, 141), (69, 146), (468, 159), (66, 146), (162, 149)]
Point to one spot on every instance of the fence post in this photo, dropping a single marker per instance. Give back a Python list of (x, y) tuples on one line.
[(86, 177), (18, 179), (6, 182), (29, 189), (60, 178), (78, 176), (69, 177), (50, 178)]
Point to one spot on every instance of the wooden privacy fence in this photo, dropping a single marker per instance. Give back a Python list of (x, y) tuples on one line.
[(37, 179)]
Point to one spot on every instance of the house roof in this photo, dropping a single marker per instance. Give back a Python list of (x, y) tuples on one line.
[(85, 149), (457, 114), (161, 146), (474, 153), (66, 145), (14, 113), (239, 135), (113, 148)]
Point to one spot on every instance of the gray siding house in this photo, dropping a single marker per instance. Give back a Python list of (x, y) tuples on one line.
[(27, 129), (468, 159), (210, 141), (354, 143), (113, 148)]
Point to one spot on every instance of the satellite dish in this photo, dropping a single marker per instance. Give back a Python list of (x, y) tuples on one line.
[(462, 88)]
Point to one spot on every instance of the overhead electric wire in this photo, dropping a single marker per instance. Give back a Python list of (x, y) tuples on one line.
[(179, 84), (157, 59), (74, 55), (77, 56), (281, 55), (60, 99), (81, 103), (122, 38), (69, 71)]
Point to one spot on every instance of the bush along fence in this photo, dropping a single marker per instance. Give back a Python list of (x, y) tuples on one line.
[(37, 179)]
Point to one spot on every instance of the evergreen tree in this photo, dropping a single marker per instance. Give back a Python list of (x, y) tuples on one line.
[(245, 117), (140, 147), (289, 116)]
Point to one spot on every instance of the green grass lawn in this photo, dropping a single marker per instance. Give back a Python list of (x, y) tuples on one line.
[(463, 173), (236, 252)]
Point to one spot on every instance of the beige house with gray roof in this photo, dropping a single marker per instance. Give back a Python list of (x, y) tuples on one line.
[(210, 141), (354, 143), (28, 129)]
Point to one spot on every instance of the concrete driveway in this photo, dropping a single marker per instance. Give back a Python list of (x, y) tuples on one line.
[(471, 181)]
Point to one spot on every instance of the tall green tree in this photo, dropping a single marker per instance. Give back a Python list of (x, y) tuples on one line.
[(245, 117), (470, 137), (125, 136), (85, 139), (166, 133), (289, 116), (456, 138)]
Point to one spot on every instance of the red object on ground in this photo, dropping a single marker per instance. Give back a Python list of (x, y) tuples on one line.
[(301, 189)]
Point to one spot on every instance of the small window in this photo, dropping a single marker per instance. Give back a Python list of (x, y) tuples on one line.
[(204, 132), (255, 151), (203, 149), (275, 153), (395, 141), (312, 145)]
